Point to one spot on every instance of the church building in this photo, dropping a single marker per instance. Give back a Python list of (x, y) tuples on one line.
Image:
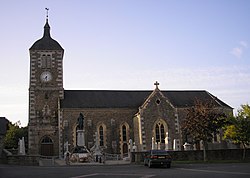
[(110, 118)]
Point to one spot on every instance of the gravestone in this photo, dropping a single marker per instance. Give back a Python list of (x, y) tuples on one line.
[(21, 150)]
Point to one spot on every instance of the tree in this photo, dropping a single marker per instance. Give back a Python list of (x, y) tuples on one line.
[(13, 134), (202, 122), (238, 129)]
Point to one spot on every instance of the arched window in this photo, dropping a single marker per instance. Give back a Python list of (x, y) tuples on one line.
[(124, 133), (160, 133), (46, 61), (124, 138), (101, 136)]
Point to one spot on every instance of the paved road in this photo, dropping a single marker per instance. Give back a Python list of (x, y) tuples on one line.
[(234, 170)]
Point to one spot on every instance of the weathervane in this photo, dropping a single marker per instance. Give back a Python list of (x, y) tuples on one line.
[(47, 13)]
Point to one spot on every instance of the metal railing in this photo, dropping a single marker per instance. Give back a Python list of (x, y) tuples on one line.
[(112, 156)]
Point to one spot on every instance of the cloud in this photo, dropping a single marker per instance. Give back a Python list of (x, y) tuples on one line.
[(238, 51), (243, 44)]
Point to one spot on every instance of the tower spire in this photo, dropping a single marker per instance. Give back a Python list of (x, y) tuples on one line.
[(46, 26), (46, 42)]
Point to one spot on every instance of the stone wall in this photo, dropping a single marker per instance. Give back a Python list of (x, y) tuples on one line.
[(111, 118), (227, 154), (24, 160)]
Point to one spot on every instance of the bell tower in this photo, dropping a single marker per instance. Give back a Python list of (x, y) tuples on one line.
[(45, 90)]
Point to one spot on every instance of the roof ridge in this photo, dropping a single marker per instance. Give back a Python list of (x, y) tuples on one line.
[(136, 90)]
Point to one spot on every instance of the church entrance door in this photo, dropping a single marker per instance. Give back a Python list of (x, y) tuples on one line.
[(47, 147), (125, 148)]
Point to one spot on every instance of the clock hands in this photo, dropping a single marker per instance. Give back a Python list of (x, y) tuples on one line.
[(46, 76)]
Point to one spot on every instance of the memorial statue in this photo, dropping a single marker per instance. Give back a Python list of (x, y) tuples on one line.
[(80, 122)]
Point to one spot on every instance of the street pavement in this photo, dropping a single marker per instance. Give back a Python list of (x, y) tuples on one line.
[(111, 169), (61, 162)]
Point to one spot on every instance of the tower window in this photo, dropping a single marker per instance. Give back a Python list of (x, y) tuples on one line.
[(46, 61)]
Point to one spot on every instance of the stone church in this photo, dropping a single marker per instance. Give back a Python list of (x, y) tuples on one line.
[(111, 117)]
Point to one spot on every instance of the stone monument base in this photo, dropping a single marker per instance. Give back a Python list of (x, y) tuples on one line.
[(80, 138)]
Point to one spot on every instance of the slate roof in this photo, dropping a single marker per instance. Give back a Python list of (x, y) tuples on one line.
[(46, 42), (131, 99)]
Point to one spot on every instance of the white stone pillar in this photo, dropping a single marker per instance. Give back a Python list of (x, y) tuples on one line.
[(80, 138), (21, 146), (153, 143), (166, 142), (176, 146)]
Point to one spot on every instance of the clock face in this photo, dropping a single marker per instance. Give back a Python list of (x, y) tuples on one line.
[(46, 76)]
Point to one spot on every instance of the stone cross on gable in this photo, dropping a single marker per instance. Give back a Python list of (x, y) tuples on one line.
[(156, 84)]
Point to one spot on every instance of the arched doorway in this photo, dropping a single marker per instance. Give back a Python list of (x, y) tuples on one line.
[(125, 148), (47, 146)]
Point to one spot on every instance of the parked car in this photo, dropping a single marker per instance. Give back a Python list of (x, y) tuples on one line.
[(157, 157)]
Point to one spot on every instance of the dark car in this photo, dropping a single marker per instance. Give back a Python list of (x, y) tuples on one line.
[(157, 157)]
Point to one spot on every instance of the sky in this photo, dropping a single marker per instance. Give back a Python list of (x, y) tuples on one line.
[(128, 45)]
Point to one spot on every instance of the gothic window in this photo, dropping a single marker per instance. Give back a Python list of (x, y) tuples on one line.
[(157, 133), (160, 133), (124, 133), (101, 136)]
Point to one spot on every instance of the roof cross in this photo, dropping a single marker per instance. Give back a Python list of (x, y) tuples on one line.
[(156, 84)]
